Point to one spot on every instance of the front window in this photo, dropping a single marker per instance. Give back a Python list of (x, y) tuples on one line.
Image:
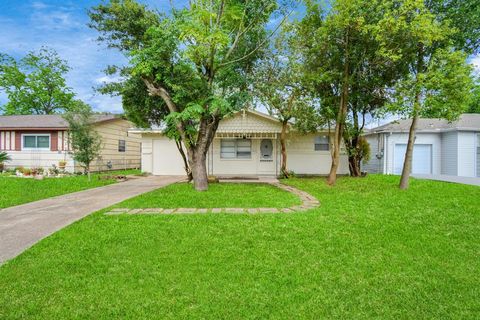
[(32, 141), (121, 146), (322, 143), (236, 149)]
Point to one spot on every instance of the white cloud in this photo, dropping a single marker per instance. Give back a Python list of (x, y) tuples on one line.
[(54, 20), (38, 5), (475, 61), (107, 79), (65, 31)]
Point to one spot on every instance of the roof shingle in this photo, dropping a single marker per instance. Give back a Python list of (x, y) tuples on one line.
[(466, 122), (53, 121)]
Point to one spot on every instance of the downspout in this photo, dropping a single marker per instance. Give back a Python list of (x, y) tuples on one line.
[(385, 152)]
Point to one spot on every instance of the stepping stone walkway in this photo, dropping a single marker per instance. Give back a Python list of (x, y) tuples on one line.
[(308, 202)]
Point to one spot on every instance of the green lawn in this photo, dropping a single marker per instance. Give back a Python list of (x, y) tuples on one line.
[(369, 251), (15, 191), (224, 195)]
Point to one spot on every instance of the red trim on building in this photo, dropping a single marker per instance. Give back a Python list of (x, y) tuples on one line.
[(18, 141), (54, 141)]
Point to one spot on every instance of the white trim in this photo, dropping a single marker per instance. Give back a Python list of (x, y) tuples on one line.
[(236, 150), (37, 135), (321, 144)]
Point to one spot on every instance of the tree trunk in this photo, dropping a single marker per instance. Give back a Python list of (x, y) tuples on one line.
[(407, 164), (354, 166), (332, 176), (199, 171), (197, 154), (341, 114), (283, 138), (351, 140), (196, 150), (188, 171), (87, 168)]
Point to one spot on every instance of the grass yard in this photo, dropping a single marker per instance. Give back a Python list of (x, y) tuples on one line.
[(219, 195), (369, 251), (15, 191)]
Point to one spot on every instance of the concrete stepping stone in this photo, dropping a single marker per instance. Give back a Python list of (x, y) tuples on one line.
[(308, 202)]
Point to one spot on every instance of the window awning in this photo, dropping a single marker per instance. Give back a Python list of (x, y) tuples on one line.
[(246, 135)]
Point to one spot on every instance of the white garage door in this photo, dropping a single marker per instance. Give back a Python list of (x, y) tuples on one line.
[(421, 161), (166, 158)]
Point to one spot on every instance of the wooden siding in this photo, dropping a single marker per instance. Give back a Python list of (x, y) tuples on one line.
[(303, 159), (248, 122), (11, 142), (111, 132)]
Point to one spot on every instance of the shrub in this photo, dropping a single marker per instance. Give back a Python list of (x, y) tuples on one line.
[(4, 157), (19, 169)]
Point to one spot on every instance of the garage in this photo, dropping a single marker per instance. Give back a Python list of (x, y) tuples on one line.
[(421, 161), (167, 159)]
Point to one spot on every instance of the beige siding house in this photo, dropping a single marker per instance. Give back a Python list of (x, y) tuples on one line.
[(35, 141), (246, 144)]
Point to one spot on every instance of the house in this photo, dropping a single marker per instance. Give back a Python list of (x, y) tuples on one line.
[(246, 144), (441, 148), (35, 141)]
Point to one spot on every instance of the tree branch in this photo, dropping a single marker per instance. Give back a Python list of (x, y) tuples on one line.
[(260, 45)]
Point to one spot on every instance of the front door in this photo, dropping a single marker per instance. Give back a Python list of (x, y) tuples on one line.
[(266, 165)]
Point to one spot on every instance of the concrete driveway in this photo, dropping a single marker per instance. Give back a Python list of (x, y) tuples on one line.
[(463, 180), (23, 226)]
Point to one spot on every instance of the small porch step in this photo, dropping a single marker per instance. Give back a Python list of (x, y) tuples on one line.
[(249, 179)]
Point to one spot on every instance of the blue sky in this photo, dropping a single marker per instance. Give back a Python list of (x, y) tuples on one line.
[(62, 25)]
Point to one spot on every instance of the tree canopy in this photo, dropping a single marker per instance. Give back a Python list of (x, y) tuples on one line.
[(195, 59), (278, 85), (437, 80), (36, 84)]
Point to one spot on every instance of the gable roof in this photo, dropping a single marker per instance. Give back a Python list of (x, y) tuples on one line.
[(243, 121), (249, 121), (466, 122), (51, 121)]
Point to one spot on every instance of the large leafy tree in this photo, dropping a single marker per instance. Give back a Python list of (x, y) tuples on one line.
[(196, 60), (437, 80), (345, 69), (278, 86), (474, 106), (36, 84), (372, 76)]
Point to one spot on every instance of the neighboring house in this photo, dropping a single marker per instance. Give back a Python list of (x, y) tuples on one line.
[(440, 147), (34, 141), (246, 144)]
